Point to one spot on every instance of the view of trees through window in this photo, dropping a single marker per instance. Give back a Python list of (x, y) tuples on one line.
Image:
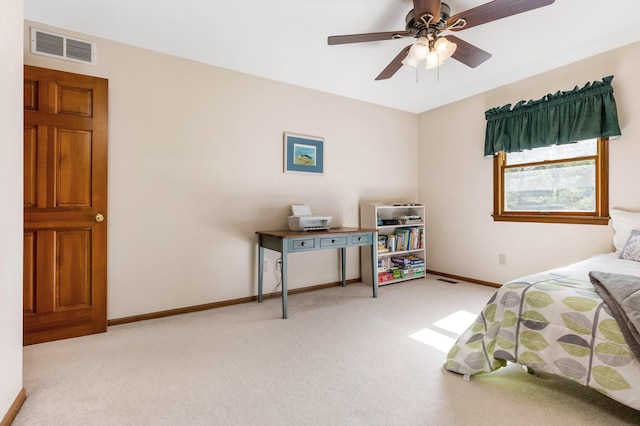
[(558, 178)]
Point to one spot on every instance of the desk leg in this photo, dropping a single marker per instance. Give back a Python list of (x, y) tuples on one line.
[(260, 269), (343, 263), (283, 275), (374, 266)]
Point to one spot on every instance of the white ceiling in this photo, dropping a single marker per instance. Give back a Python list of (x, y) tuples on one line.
[(286, 40)]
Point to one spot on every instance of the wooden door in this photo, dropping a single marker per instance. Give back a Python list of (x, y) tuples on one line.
[(65, 205)]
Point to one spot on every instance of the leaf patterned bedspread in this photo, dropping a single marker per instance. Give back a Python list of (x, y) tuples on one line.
[(554, 322)]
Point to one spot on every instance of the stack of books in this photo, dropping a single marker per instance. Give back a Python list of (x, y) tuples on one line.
[(408, 238), (407, 266)]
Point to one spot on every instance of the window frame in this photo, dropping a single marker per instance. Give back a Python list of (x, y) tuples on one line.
[(599, 217)]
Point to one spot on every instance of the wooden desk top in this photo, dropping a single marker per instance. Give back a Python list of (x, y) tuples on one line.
[(297, 234)]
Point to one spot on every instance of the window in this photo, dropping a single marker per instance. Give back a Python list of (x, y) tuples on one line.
[(559, 183)]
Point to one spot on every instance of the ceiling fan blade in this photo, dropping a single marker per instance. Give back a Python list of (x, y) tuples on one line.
[(494, 10), (394, 65), (467, 53), (359, 38), (421, 7)]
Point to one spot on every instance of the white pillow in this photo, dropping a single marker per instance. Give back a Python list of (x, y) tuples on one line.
[(623, 223), (631, 250)]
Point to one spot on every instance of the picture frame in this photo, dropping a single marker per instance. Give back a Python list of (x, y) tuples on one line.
[(303, 154)]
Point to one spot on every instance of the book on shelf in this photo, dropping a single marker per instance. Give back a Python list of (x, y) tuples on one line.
[(409, 269), (407, 260), (416, 238), (403, 236), (409, 238), (407, 273)]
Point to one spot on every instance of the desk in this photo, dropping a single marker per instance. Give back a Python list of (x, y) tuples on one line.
[(287, 242)]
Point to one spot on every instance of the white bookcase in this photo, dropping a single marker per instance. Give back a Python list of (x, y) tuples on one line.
[(393, 221)]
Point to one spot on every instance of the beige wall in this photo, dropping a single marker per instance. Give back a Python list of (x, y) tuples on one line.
[(195, 168), (456, 180), (11, 204)]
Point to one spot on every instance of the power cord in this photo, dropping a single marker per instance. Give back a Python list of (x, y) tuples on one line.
[(278, 275)]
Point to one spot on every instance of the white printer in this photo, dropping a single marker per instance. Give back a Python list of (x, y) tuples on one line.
[(303, 220)]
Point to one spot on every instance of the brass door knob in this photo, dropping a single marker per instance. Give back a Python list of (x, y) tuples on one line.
[(98, 218)]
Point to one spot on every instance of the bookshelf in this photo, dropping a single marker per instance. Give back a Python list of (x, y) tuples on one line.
[(400, 252)]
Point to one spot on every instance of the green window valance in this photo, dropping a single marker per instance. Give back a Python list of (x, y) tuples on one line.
[(560, 118)]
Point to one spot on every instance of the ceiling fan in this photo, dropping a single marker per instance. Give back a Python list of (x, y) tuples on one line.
[(428, 19)]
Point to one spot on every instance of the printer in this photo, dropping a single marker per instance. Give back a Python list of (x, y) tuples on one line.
[(303, 220)]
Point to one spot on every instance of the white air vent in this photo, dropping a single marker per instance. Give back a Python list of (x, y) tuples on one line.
[(63, 47)]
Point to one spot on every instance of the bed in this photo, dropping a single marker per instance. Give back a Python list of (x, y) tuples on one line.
[(558, 322)]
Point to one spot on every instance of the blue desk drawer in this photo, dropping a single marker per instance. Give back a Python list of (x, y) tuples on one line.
[(333, 241), (303, 244), (361, 239)]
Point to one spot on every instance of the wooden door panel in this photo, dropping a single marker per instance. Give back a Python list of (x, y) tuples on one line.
[(47, 155), (65, 253), (74, 101), (44, 273), (30, 95), (73, 272), (58, 286), (30, 165), (28, 272), (74, 161)]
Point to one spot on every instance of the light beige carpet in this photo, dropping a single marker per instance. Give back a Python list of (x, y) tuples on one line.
[(342, 358)]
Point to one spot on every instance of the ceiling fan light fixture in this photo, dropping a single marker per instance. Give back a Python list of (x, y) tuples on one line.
[(420, 49), (444, 48), (410, 62), (433, 60)]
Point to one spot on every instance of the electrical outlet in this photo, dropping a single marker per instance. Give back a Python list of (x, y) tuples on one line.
[(278, 264), (265, 266), (502, 259)]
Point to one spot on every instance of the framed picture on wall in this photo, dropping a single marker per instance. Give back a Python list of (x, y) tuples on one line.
[(303, 154)]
